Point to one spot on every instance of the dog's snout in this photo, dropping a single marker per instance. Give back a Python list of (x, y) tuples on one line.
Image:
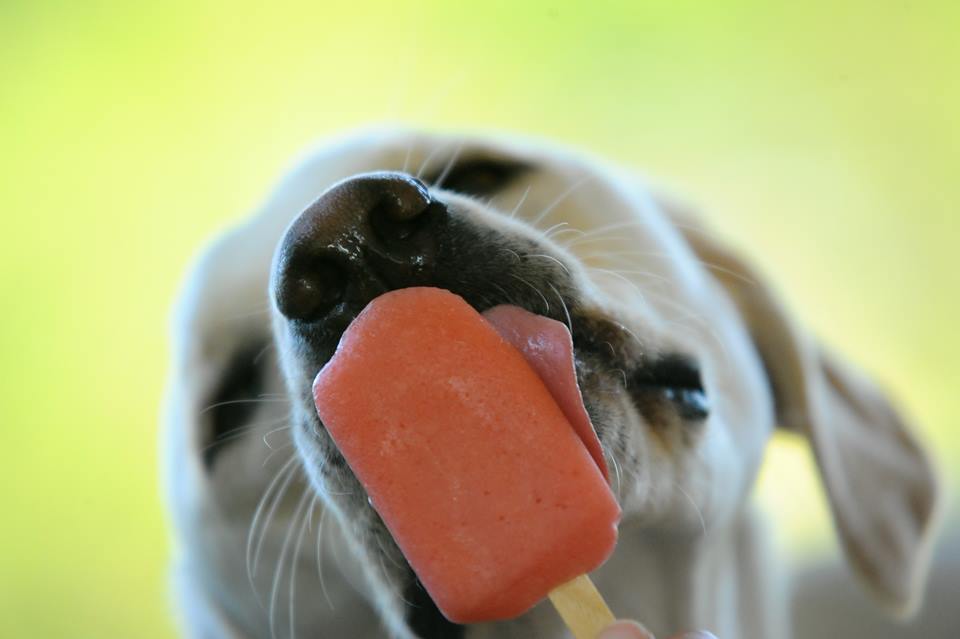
[(363, 236)]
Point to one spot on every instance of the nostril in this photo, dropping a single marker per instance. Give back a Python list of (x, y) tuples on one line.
[(399, 213), (310, 290), (389, 226)]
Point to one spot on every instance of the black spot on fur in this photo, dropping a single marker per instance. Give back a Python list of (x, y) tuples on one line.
[(234, 401), (480, 177)]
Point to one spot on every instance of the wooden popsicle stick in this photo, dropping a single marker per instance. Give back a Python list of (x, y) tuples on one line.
[(582, 607)]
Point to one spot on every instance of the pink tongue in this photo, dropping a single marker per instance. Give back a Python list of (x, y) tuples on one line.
[(548, 348)]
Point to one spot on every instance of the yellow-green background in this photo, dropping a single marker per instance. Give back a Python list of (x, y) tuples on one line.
[(823, 136)]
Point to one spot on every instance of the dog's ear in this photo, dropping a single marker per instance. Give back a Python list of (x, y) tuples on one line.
[(881, 486)]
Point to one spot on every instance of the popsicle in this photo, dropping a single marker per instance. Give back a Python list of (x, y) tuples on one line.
[(487, 474)]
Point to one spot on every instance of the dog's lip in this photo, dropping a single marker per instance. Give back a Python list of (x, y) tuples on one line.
[(547, 346)]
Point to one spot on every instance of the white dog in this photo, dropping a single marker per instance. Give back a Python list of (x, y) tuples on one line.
[(686, 360)]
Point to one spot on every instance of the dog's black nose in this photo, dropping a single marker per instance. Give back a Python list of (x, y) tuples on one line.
[(365, 235)]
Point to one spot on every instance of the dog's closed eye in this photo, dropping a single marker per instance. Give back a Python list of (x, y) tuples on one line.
[(674, 379)]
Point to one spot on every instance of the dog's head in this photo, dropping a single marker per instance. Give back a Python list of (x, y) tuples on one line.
[(685, 359)]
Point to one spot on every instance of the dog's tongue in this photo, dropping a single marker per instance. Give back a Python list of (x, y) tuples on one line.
[(548, 348)]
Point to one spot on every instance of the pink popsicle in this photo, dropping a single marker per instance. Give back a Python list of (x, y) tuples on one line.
[(493, 495)]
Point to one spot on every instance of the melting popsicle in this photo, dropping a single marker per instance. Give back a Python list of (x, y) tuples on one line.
[(488, 474)]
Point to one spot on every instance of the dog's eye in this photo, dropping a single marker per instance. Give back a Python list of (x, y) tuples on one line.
[(481, 177), (676, 379)]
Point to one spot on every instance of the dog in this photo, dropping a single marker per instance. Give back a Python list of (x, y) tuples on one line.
[(686, 359)]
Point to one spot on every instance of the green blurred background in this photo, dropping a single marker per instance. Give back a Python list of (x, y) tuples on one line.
[(822, 137)]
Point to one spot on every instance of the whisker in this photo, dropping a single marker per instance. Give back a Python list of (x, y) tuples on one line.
[(569, 230), (538, 291), (708, 265), (278, 572), (275, 430), (616, 470), (276, 451), (406, 158), (523, 198), (323, 585), (696, 509), (241, 431), (294, 564), (507, 297), (254, 426), (722, 269), (485, 300), (546, 234), (286, 470), (623, 374), (235, 433), (605, 229), (647, 274), (551, 258), (397, 593), (591, 240), (629, 332), (260, 400), (263, 351), (446, 169), (388, 555), (428, 159), (614, 254), (511, 252), (628, 281), (687, 314), (613, 351), (560, 198), (289, 469), (563, 304)]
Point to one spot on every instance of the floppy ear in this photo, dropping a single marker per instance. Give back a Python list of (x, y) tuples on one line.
[(880, 484)]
